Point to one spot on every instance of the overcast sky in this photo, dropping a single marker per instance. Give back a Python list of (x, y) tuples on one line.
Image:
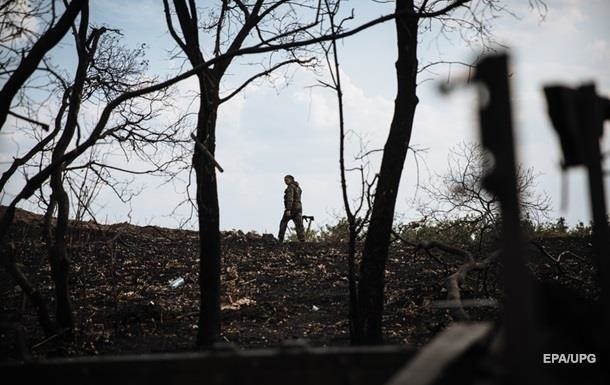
[(290, 127)]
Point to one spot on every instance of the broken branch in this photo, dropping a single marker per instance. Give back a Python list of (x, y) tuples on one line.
[(453, 282), (44, 126), (206, 152), (557, 261)]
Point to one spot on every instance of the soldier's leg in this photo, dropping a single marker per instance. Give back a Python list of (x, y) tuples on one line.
[(298, 222), (283, 224)]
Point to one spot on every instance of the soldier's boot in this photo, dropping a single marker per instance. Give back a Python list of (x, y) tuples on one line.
[(283, 225)]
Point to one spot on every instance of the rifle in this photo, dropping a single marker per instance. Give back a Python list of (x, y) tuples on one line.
[(309, 219)]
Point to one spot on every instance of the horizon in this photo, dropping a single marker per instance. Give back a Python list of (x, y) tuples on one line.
[(290, 127)]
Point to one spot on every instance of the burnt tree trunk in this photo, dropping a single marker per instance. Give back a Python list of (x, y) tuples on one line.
[(7, 259), (203, 161), (354, 332), (351, 217), (58, 255), (205, 172), (42, 312), (209, 227), (371, 285)]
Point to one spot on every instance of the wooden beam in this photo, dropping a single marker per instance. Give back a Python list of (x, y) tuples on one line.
[(285, 365), (427, 367)]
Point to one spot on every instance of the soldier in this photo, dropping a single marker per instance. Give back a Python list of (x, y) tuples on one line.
[(293, 210)]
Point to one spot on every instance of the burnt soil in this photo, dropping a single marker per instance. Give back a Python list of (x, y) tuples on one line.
[(272, 292)]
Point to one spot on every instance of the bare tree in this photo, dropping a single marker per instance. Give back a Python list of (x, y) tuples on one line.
[(288, 33), (230, 26), (123, 101), (459, 194), (462, 16), (14, 18), (58, 258), (105, 70), (357, 217)]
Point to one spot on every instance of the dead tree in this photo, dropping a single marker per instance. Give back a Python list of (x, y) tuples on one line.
[(371, 285), (408, 21), (104, 70), (264, 23), (292, 36), (457, 278), (358, 216), (58, 257), (35, 54), (123, 101), (459, 194)]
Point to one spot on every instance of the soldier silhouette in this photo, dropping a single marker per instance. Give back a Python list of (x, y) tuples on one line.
[(293, 209)]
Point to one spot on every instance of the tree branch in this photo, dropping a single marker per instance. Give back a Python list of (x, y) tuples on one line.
[(30, 62), (207, 152), (43, 125), (261, 74)]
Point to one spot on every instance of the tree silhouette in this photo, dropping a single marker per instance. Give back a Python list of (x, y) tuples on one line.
[(12, 29), (460, 15)]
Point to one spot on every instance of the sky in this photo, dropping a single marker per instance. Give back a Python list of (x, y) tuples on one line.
[(285, 126)]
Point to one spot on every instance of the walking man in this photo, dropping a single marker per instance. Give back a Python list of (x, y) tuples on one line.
[(293, 210)]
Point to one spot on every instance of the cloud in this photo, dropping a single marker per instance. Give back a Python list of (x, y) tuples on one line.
[(599, 50), (367, 114)]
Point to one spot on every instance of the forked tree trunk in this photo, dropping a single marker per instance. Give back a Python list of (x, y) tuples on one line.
[(372, 268), (58, 255), (60, 267)]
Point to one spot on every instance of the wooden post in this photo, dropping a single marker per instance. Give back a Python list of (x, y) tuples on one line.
[(591, 117), (522, 349), (427, 368), (578, 117)]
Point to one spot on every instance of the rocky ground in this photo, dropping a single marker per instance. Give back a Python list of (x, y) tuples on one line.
[(124, 303)]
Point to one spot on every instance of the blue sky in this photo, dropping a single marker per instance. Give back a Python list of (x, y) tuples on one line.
[(289, 127)]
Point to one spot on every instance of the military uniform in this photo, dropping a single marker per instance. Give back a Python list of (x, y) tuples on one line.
[(293, 210)]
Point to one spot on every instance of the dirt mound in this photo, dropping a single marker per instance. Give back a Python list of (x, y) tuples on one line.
[(23, 216), (124, 300)]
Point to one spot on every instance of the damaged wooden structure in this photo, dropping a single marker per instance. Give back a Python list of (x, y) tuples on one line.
[(537, 319)]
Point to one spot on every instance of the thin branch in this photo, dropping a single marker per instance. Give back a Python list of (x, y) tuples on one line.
[(261, 74), (443, 10), (43, 125), (432, 64), (30, 62), (94, 163), (557, 261)]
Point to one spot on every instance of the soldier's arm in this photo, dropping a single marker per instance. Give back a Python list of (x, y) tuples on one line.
[(289, 198)]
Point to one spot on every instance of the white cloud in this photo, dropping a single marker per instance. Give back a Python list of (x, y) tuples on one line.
[(367, 114), (600, 50)]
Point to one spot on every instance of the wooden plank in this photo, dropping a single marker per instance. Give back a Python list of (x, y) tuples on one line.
[(428, 365), (294, 366)]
